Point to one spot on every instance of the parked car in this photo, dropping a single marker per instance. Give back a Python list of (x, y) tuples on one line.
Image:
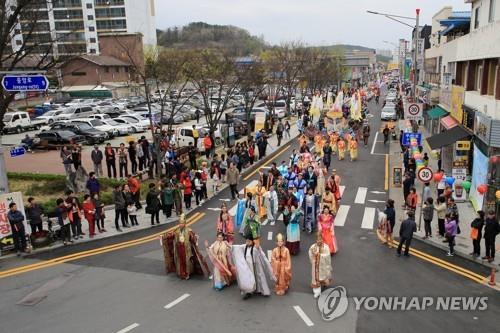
[(133, 124), (184, 135), (56, 138), (98, 125), (123, 129), (135, 118), (92, 136), (49, 116), (389, 112), (75, 112), (20, 121)]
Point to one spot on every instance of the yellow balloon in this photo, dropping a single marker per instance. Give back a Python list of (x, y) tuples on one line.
[(497, 194)]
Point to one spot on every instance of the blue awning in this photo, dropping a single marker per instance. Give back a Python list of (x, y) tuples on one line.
[(453, 27)]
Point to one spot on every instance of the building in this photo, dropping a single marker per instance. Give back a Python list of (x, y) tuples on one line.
[(465, 58), (76, 26), (359, 64)]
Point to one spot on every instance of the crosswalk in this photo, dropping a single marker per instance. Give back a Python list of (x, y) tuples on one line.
[(345, 211)]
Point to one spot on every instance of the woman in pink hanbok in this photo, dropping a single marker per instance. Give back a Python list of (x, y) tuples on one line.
[(327, 230)]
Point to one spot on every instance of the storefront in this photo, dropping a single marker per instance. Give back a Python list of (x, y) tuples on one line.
[(432, 119), (486, 170)]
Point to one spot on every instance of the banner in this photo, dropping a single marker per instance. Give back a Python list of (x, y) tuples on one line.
[(479, 176), (457, 100), (6, 241)]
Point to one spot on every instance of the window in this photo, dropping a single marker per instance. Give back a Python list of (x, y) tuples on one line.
[(78, 73), (17, 31), (16, 117), (68, 14), (106, 69), (479, 78), (111, 24), (91, 28), (67, 3), (90, 17), (89, 6), (19, 42), (93, 51), (476, 18), (109, 2), (69, 25), (109, 12), (92, 40), (117, 69), (491, 13)]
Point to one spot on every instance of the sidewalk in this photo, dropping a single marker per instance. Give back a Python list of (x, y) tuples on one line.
[(144, 219), (466, 211)]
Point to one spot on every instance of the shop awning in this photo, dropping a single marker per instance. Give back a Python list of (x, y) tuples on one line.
[(436, 112), (449, 122), (447, 137)]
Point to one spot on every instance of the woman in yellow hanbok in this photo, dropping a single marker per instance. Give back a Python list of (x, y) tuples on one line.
[(258, 193), (303, 140), (317, 143), (341, 146), (333, 142), (353, 146)]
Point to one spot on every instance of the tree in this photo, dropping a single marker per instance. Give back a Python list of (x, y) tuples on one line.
[(213, 74), (321, 71), (253, 79)]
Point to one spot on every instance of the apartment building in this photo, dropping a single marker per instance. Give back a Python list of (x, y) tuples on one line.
[(464, 64), (75, 25)]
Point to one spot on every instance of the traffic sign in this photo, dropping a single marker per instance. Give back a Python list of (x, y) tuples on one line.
[(425, 175), (17, 151), (414, 111), (25, 82)]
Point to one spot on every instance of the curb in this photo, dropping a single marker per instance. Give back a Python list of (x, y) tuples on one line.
[(246, 172)]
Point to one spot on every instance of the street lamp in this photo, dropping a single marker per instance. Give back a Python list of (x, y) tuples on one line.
[(416, 27)]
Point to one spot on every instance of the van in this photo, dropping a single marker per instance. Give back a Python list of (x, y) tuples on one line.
[(184, 135), (75, 112)]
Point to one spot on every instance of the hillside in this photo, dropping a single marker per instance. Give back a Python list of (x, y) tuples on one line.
[(203, 35)]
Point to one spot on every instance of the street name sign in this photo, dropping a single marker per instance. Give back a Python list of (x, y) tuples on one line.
[(25, 83)]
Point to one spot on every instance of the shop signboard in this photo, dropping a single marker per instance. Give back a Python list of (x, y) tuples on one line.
[(482, 127), (479, 177), (462, 145), (445, 99), (460, 175), (457, 101)]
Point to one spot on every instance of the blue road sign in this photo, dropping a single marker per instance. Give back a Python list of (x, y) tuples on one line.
[(25, 82), (407, 137), (17, 151)]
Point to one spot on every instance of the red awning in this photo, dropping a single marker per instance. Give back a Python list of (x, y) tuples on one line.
[(448, 122)]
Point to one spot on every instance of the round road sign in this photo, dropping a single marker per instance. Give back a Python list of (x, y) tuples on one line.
[(425, 175), (414, 109)]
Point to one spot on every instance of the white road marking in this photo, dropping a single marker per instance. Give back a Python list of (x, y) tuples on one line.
[(272, 222), (342, 189), (177, 301), (368, 218), (270, 235), (303, 315), (341, 216), (377, 192), (269, 254), (374, 142), (128, 328), (375, 201), (280, 218), (264, 222), (214, 209), (361, 195), (226, 200)]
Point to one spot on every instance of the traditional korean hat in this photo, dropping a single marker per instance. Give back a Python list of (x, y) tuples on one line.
[(279, 238)]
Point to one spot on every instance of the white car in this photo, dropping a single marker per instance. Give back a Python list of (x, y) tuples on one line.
[(75, 112), (98, 125), (132, 124), (100, 116), (49, 116), (138, 125), (123, 129)]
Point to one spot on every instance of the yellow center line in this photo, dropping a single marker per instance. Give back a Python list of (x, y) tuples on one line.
[(276, 153), (56, 261), (442, 263)]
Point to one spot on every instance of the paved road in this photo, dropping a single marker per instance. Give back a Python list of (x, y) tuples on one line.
[(127, 290)]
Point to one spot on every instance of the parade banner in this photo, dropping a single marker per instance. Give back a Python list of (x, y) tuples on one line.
[(479, 176), (6, 241), (260, 121)]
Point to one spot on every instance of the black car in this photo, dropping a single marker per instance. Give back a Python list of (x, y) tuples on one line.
[(92, 136), (54, 138)]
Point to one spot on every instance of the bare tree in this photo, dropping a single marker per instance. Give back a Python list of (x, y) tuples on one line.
[(213, 74), (253, 80)]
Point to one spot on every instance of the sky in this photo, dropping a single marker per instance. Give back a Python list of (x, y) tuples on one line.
[(314, 22)]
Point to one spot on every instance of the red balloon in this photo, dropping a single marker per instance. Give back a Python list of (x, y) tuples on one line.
[(437, 177), (494, 159), (482, 189)]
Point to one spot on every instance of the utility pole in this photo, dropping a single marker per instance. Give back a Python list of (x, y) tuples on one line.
[(415, 56)]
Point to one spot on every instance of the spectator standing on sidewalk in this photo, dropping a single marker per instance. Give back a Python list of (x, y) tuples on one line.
[(132, 154), (153, 204), (110, 160), (145, 150), (491, 230), (122, 161), (287, 129), (441, 186), (34, 214), (451, 232), (99, 213), (406, 187), (207, 144), (93, 184), (452, 209), (16, 219), (97, 158), (120, 208), (76, 156), (196, 134), (279, 132), (232, 178), (188, 191), (62, 212), (427, 192), (140, 155), (412, 200), (408, 227), (66, 160), (440, 209), (75, 214), (89, 213), (476, 233), (134, 185), (428, 215)]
